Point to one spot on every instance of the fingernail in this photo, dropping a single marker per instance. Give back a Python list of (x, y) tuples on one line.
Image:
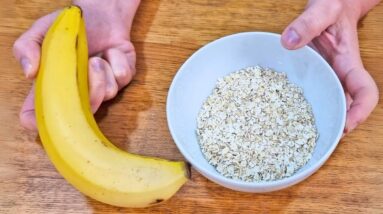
[(96, 65), (349, 128), (345, 131), (292, 38), (27, 66)]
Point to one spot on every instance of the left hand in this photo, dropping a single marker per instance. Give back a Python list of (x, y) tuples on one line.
[(112, 55), (330, 27)]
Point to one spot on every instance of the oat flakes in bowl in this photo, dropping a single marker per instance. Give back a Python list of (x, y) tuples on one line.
[(256, 126)]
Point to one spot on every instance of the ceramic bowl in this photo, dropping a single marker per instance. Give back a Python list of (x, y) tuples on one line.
[(197, 77)]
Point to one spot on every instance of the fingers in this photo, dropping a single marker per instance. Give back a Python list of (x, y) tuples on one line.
[(111, 87), (122, 62), (365, 96), (107, 76), (26, 48), (27, 113), (97, 82), (314, 20)]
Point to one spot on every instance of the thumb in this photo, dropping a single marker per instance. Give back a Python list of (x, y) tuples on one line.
[(27, 113), (26, 48), (315, 19)]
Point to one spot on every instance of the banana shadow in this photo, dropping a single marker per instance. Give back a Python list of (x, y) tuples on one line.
[(134, 98), (131, 100)]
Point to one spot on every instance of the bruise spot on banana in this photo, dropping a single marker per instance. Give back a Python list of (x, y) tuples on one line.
[(102, 142), (157, 201)]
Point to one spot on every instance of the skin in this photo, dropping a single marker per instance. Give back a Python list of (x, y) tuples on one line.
[(329, 26)]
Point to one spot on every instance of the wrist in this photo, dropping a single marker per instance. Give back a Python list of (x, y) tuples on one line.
[(123, 4), (118, 13), (137, 2), (364, 6)]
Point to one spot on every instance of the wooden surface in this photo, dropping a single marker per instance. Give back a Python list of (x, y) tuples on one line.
[(165, 34)]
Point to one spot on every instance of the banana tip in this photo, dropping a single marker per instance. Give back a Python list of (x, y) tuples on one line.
[(77, 6), (188, 170)]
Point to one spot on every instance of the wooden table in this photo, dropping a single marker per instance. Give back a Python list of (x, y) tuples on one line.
[(165, 34)]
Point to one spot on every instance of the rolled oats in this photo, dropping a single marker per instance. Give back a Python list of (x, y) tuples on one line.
[(256, 126)]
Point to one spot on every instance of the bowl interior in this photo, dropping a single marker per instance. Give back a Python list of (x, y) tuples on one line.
[(304, 67)]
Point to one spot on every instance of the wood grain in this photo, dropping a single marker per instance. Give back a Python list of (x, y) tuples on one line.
[(165, 33)]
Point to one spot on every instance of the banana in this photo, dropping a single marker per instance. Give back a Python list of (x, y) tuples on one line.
[(71, 137)]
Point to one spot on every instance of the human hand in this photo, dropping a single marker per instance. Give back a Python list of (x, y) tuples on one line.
[(113, 58), (330, 27)]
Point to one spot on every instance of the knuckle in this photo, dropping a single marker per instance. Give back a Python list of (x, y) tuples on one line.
[(111, 92), (307, 23), (22, 119), (376, 95), (373, 92), (17, 46), (130, 54), (26, 120), (132, 60), (133, 70), (128, 48), (40, 22), (123, 77)]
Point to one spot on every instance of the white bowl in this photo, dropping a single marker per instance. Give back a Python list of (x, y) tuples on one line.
[(198, 75)]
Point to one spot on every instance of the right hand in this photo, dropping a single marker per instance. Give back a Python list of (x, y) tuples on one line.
[(113, 58), (330, 26)]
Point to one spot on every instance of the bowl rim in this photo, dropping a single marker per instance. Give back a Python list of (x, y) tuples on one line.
[(218, 178)]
